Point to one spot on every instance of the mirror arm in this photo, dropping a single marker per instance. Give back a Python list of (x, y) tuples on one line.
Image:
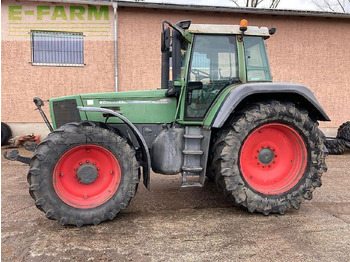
[(175, 27)]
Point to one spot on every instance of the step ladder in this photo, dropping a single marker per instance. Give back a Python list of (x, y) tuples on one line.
[(195, 156)]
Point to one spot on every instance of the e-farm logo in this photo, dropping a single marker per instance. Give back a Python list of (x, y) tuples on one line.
[(60, 13), (93, 21)]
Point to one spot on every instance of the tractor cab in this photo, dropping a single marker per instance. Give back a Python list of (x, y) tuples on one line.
[(206, 59)]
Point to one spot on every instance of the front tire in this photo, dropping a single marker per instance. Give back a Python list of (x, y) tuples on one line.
[(269, 158), (83, 174)]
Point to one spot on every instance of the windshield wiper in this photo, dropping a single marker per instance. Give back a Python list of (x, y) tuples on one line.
[(234, 80)]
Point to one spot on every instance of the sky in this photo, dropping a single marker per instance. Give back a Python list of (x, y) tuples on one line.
[(284, 4)]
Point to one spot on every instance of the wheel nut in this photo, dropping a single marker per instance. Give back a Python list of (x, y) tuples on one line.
[(85, 196), (75, 169), (98, 168), (80, 163), (88, 150), (111, 172), (94, 163), (87, 161), (61, 174)]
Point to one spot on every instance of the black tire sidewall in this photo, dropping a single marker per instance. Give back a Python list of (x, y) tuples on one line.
[(335, 146), (5, 133), (344, 132)]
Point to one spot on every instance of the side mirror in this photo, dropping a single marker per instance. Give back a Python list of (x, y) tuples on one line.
[(165, 40), (196, 85), (272, 30)]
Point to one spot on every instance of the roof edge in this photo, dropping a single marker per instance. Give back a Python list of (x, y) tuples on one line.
[(205, 8)]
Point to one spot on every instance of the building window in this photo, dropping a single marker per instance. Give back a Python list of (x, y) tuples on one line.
[(57, 48)]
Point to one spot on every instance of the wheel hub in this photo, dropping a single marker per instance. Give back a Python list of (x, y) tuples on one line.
[(266, 156), (87, 174), (273, 158)]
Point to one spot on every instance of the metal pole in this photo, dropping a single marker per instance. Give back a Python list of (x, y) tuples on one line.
[(115, 7)]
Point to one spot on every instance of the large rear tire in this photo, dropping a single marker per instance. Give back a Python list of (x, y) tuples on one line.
[(83, 174), (269, 158)]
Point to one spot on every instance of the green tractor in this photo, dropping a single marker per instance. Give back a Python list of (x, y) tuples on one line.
[(217, 115)]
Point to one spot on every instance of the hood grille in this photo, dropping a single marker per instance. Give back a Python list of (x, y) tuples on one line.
[(65, 111)]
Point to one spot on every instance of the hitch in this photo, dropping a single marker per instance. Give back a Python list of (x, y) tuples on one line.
[(31, 147), (39, 103), (14, 156)]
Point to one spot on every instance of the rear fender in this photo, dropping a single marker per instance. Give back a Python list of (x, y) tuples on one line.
[(259, 91)]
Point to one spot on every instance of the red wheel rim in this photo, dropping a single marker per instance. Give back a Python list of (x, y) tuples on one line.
[(86, 176), (273, 159)]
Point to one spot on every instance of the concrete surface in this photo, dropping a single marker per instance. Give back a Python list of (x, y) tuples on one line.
[(174, 224)]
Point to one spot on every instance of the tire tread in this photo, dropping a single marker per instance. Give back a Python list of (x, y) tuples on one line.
[(225, 157), (50, 150)]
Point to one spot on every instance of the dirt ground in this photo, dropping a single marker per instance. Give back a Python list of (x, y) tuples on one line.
[(174, 224)]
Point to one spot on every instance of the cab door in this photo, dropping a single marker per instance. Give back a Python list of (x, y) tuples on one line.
[(213, 66)]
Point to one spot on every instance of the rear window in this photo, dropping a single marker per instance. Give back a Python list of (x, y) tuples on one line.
[(257, 64)]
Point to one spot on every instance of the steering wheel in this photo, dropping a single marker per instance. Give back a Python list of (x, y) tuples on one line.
[(199, 74)]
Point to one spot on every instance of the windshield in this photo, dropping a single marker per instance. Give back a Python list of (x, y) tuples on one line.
[(256, 59), (214, 58), (214, 64)]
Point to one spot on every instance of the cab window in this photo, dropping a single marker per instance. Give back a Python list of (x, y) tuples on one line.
[(213, 67), (258, 68)]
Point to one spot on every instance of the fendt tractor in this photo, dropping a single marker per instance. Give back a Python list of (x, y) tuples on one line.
[(217, 115)]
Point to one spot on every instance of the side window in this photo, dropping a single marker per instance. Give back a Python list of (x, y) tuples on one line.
[(256, 59), (200, 63), (213, 66), (57, 48), (184, 47)]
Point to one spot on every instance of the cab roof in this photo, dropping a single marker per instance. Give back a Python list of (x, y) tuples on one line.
[(227, 29)]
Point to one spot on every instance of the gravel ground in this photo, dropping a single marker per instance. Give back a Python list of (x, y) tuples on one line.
[(174, 224)]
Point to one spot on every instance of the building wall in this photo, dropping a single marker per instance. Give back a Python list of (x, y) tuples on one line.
[(21, 81), (307, 50)]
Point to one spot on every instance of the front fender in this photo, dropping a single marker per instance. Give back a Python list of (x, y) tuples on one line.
[(273, 90), (146, 158)]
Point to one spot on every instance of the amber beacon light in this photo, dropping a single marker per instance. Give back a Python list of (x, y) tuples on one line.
[(243, 25)]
